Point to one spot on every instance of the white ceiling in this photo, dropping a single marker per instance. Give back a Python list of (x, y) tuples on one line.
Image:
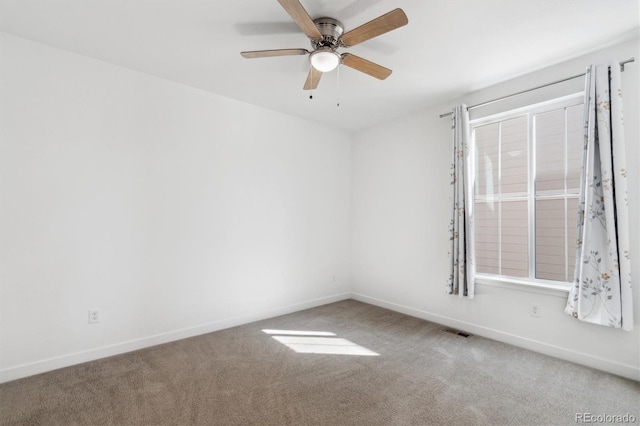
[(449, 47)]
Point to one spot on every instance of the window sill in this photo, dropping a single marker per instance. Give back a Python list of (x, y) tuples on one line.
[(539, 287)]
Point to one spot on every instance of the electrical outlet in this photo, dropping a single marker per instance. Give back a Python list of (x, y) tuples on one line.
[(95, 315), (534, 310)]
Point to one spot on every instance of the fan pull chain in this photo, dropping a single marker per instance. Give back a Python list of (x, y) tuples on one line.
[(338, 82), (311, 93)]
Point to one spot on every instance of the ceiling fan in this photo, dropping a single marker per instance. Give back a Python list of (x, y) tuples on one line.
[(327, 35)]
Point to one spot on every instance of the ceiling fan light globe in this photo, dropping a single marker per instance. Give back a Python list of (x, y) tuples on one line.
[(324, 60)]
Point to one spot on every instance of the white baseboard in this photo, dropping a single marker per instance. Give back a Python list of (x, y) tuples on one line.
[(25, 370), (566, 354), (30, 369)]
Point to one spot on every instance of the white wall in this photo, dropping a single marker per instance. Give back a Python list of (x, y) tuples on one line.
[(400, 218), (174, 211), (179, 212)]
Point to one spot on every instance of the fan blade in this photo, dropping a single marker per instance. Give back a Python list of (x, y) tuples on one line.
[(367, 67), (382, 24), (312, 79), (269, 53), (301, 17)]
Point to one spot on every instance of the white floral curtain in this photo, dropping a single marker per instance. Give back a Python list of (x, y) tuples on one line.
[(601, 292), (460, 236)]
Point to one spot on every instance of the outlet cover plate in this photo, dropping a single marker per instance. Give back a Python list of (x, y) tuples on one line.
[(534, 310), (95, 315)]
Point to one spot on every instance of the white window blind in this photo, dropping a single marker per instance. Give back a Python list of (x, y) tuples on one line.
[(527, 171)]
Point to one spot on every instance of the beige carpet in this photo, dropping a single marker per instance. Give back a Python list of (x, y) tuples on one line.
[(244, 376)]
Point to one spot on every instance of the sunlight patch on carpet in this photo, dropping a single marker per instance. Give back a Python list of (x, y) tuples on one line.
[(318, 342)]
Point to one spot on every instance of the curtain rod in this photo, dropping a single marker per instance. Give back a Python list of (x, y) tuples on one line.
[(532, 89)]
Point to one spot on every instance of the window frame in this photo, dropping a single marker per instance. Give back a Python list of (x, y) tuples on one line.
[(531, 282)]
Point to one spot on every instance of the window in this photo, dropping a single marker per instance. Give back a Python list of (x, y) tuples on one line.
[(526, 184)]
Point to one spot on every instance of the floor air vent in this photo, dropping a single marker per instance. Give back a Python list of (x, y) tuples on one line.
[(456, 332)]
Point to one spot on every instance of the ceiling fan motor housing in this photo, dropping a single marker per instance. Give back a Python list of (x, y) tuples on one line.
[(331, 30)]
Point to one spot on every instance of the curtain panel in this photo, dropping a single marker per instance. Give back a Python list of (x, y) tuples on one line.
[(460, 252), (601, 291)]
